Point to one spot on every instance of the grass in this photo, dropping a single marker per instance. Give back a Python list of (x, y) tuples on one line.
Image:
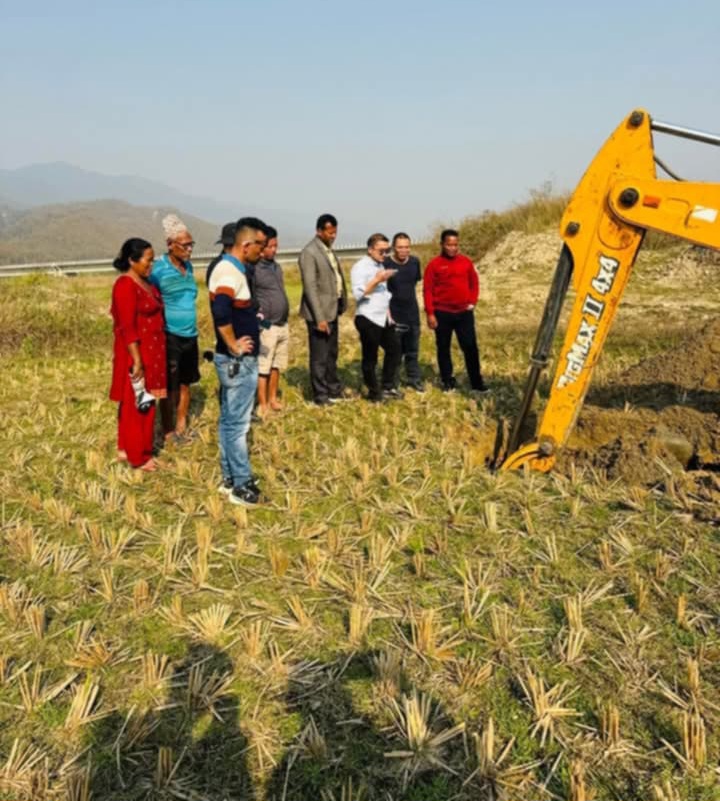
[(540, 212), (394, 622)]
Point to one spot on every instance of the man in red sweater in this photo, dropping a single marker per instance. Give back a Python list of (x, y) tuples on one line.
[(450, 289)]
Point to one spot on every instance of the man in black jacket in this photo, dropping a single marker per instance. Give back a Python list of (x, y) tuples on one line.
[(227, 240), (274, 308), (404, 306)]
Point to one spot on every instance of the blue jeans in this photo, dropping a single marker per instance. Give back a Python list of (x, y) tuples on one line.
[(237, 396)]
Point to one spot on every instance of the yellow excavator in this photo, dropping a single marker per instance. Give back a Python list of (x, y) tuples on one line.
[(617, 200)]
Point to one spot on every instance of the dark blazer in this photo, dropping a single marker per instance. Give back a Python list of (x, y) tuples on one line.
[(319, 299)]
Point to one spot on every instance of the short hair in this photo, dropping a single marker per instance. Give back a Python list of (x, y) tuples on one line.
[(246, 224), (448, 232), (271, 232), (374, 239), (399, 235), (131, 250), (324, 220)]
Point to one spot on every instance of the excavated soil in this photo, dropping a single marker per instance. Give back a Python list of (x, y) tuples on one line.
[(694, 266), (659, 418), (693, 367), (518, 250)]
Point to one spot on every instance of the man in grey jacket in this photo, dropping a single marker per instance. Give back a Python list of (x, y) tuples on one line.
[(324, 299)]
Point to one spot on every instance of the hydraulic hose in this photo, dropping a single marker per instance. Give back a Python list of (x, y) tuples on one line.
[(544, 340)]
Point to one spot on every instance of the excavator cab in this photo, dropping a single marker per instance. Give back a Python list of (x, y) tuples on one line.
[(617, 200)]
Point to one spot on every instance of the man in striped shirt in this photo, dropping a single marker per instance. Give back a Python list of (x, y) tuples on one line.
[(237, 330)]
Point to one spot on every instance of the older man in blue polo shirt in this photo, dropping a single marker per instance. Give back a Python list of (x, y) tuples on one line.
[(173, 275), (373, 320)]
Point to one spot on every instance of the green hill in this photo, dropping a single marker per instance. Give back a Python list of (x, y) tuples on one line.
[(95, 229)]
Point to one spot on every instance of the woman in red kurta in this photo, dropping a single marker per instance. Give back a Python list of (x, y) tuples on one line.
[(139, 350)]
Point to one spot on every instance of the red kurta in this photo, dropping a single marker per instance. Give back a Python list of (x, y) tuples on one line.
[(138, 317)]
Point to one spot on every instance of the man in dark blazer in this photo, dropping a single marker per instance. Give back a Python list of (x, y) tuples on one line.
[(324, 299)]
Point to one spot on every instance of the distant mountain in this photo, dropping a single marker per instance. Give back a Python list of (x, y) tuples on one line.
[(58, 182), (73, 231)]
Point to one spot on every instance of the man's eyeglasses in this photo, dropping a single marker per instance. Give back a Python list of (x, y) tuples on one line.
[(185, 245), (383, 251)]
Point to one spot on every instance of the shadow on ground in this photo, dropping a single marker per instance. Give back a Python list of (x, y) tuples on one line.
[(193, 747), (339, 746)]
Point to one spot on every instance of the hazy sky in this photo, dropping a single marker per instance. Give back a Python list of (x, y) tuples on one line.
[(396, 113)]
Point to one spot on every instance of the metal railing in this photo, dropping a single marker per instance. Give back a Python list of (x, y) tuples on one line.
[(199, 260)]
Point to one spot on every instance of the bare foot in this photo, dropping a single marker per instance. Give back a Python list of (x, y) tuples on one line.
[(276, 406), (262, 412), (150, 466), (121, 456)]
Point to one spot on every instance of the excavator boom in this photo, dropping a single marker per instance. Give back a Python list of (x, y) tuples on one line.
[(617, 200)]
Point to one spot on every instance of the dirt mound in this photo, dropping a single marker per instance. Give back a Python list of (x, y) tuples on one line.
[(689, 267), (518, 250), (667, 420), (642, 446), (694, 266), (693, 366)]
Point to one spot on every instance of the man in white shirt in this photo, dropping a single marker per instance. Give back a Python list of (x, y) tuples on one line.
[(368, 278)]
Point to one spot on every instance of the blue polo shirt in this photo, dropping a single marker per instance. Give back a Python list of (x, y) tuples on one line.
[(179, 293)]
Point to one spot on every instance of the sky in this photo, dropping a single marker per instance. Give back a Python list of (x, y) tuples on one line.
[(395, 114)]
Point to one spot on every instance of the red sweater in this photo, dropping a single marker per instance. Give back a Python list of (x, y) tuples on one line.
[(450, 285)]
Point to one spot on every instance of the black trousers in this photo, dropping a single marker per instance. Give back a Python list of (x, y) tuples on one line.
[(463, 324), (323, 349), (373, 337), (409, 338)]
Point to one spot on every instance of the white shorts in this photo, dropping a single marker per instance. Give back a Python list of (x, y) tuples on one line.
[(273, 348)]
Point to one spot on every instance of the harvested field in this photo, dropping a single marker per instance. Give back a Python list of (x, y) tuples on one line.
[(396, 622)]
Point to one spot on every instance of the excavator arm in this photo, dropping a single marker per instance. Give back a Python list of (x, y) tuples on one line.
[(617, 200)]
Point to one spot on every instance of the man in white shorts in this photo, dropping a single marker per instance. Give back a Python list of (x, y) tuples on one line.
[(274, 330)]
